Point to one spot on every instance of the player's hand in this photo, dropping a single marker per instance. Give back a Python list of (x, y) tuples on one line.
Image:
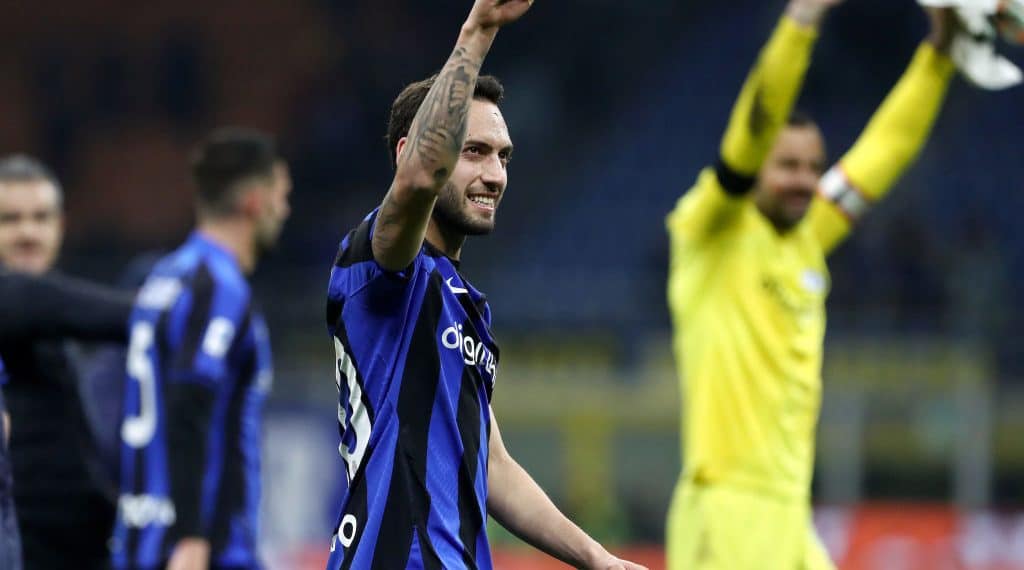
[(492, 14), (190, 554), (944, 26), (810, 12), (601, 559), (616, 564)]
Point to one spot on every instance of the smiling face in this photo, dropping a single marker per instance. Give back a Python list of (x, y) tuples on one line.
[(469, 201), (789, 178)]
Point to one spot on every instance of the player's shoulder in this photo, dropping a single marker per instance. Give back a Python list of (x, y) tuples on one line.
[(213, 268), (211, 272), (357, 246), (224, 277), (355, 267), (224, 288), (708, 219), (207, 276), (165, 282)]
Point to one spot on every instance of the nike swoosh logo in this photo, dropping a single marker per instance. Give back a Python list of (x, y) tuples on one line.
[(456, 290)]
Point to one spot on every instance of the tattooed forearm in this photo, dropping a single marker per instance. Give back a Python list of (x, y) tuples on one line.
[(432, 149), (388, 224), (438, 131)]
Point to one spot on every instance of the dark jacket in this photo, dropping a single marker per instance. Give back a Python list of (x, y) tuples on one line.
[(60, 491)]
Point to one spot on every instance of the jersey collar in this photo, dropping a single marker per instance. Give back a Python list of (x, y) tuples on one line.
[(215, 249)]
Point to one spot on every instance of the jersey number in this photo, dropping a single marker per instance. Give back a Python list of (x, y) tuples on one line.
[(137, 431)]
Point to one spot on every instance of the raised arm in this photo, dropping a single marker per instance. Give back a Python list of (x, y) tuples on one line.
[(893, 138), (770, 91), (516, 501), (55, 306), (427, 157), (760, 112)]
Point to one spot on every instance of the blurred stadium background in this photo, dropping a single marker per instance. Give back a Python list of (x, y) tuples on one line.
[(614, 106)]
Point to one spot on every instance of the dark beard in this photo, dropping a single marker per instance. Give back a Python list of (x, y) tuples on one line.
[(448, 213), (266, 243)]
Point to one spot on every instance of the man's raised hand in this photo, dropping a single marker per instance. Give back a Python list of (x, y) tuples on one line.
[(810, 12), (492, 14)]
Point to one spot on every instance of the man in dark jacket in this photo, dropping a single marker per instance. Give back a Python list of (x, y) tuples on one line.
[(65, 505)]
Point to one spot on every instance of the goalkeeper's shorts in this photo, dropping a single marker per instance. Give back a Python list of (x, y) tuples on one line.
[(713, 527)]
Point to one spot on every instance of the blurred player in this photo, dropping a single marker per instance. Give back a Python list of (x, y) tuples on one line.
[(62, 496), (416, 360), (199, 369), (747, 291)]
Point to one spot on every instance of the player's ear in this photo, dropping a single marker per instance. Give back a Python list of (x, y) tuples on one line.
[(399, 147), (250, 202)]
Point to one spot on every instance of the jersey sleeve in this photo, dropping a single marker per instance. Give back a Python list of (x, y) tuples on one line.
[(211, 325), (767, 97), (704, 211), (763, 106), (888, 146), (356, 272), (189, 408), (56, 306)]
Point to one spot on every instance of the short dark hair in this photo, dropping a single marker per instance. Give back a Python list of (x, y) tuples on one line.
[(405, 107), (20, 168), (227, 157), (800, 118)]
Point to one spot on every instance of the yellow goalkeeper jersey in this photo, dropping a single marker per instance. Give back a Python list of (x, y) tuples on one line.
[(748, 302)]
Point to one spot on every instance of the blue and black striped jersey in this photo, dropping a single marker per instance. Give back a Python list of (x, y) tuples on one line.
[(415, 364), (199, 369)]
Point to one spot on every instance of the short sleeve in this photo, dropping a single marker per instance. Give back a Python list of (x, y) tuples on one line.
[(356, 272)]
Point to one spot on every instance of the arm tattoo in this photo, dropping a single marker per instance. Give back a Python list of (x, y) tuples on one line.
[(388, 225), (439, 128), (434, 144)]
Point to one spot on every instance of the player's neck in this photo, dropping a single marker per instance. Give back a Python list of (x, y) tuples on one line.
[(234, 236), (781, 227), (445, 239)]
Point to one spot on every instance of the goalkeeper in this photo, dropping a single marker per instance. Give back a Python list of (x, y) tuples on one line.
[(747, 288)]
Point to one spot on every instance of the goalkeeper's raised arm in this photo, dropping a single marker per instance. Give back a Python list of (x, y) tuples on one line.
[(771, 89), (893, 138), (761, 111)]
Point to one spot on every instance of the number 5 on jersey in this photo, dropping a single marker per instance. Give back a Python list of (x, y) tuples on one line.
[(138, 431)]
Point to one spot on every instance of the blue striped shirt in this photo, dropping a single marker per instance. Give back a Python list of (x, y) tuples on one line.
[(415, 367), (199, 369)]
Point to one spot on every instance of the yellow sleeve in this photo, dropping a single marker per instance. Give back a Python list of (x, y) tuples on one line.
[(887, 147), (767, 97), (705, 210), (762, 109)]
